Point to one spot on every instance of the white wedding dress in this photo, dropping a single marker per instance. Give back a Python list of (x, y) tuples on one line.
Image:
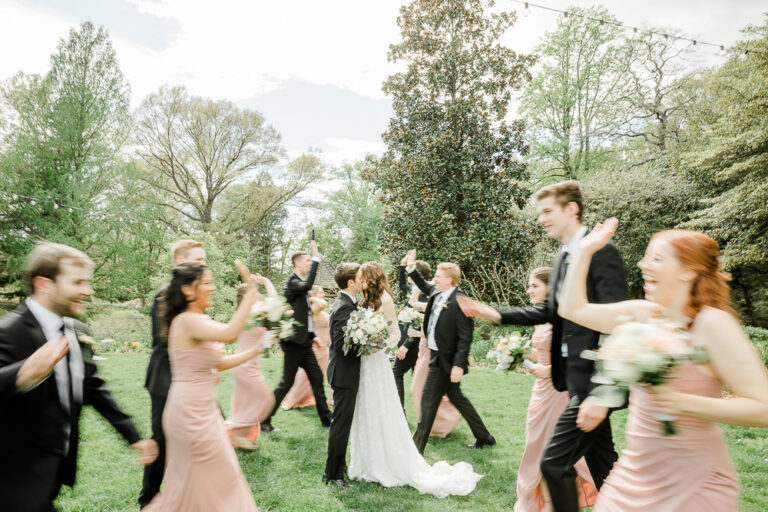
[(381, 447)]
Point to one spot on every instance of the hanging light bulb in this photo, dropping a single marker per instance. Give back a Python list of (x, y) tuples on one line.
[(14, 196), (527, 10), (55, 206), (33, 202), (70, 210), (565, 14)]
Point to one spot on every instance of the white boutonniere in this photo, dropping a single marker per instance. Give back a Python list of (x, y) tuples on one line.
[(85, 339), (445, 304)]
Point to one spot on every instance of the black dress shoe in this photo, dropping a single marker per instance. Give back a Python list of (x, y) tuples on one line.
[(266, 426), (479, 444)]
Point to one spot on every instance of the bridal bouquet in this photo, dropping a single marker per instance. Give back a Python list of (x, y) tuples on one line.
[(366, 332), (510, 352), (411, 317), (274, 314), (640, 353)]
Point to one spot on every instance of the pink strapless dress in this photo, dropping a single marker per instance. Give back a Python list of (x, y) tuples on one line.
[(202, 472), (300, 394), (252, 399), (544, 409), (448, 415), (686, 472)]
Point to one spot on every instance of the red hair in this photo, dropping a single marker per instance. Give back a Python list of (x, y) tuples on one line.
[(699, 253)]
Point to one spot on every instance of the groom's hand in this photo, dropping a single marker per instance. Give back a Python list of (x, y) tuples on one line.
[(590, 415), (456, 374), (401, 353)]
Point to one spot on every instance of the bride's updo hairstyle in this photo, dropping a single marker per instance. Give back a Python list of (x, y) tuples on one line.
[(375, 285), (700, 253), (174, 300)]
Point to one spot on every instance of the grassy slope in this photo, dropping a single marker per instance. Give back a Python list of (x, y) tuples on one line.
[(284, 473)]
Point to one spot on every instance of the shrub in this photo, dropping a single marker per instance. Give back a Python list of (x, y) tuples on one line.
[(759, 339), (125, 326)]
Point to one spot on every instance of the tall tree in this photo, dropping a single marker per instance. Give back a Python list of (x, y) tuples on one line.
[(572, 106), (450, 177)]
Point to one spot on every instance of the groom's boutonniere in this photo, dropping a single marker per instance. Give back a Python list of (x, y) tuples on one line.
[(85, 339), (445, 304)]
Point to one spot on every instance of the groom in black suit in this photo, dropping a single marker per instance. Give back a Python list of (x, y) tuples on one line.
[(583, 429), (297, 350), (343, 374), (449, 335), (47, 375)]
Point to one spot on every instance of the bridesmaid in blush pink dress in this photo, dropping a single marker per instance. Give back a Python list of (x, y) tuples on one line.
[(544, 409), (689, 471), (202, 472), (300, 394), (448, 415), (252, 399)]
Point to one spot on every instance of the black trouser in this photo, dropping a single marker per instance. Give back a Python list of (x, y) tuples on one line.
[(29, 480), (153, 473), (566, 446), (403, 366), (343, 410), (439, 384), (302, 356)]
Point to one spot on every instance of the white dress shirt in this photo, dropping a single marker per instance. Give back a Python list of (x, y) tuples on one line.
[(570, 251), (437, 308)]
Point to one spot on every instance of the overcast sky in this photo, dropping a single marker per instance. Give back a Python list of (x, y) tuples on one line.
[(313, 68)]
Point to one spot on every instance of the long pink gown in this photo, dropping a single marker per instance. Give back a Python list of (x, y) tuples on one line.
[(252, 399), (544, 409), (686, 472), (300, 394), (202, 472), (447, 414)]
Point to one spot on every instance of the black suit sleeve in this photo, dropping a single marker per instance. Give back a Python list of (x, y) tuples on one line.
[(296, 286), (340, 318), (9, 367), (464, 329), (607, 271), (96, 394), (424, 286), (402, 282), (531, 315)]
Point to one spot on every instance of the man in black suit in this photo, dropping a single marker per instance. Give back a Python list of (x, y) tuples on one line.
[(158, 379), (449, 335), (297, 350), (343, 374), (47, 374), (408, 347), (581, 431)]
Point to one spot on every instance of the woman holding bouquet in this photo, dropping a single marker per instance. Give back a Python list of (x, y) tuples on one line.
[(252, 399), (300, 394), (381, 448), (203, 473), (544, 409), (691, 470)]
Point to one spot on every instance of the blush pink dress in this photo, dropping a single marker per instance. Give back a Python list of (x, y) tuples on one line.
[(686, 472), (252, 399), (202, 472), (544, 409), (300, 394), (448, 415)]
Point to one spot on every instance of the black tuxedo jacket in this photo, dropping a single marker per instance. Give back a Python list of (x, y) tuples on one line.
[(159, 369), (35, 421), (453, 331), (408, 342), (343, 370), (296, 294), (605, 284)]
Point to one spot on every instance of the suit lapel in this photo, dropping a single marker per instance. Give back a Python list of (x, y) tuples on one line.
[(552, 293), (36, 331)]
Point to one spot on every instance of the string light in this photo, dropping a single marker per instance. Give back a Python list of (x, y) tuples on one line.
[(602, 22)]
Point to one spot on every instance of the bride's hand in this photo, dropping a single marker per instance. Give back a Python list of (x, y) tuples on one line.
[(599, 236)]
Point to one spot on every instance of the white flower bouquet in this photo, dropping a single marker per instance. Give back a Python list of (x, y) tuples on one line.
[(274, 314), (640, 353), (510, 352), (366, 332), (411, 317)]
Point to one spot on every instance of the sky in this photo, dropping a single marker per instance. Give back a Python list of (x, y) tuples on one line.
[(314, 69)]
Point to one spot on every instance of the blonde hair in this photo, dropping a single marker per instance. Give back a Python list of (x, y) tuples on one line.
[(182, 247), (451, 270), (46, 259)]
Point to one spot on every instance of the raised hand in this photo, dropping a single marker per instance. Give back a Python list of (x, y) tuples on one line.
[(41, 363), (313, 248), (476, 309), (599, 236), (259, 279), (410, 258)]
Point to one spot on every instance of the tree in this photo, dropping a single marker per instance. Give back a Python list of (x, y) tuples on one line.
[(572, 105), (450, 179), (61, 145), (195, 148)]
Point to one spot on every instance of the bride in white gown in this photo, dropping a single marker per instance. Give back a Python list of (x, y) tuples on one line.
[(381, 448)]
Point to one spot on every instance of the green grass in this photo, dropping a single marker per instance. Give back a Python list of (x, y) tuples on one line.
[(285, 472)]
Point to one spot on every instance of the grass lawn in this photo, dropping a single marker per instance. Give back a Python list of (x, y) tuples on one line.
[(285, 472)]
